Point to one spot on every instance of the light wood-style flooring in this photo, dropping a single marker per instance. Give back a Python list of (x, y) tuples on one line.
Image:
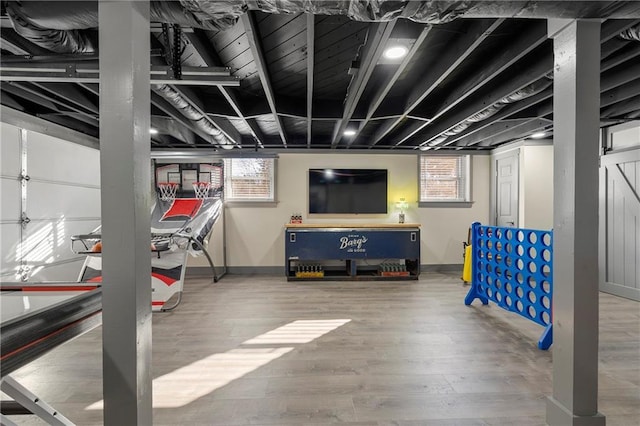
[(263, 351)]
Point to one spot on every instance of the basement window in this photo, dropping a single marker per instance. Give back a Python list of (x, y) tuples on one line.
[(445, 181), (249, 180)]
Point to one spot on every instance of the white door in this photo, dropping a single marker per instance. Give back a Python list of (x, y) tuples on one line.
[(506, 168)]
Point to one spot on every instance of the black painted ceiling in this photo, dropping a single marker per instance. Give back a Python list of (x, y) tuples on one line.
[(304, 79)]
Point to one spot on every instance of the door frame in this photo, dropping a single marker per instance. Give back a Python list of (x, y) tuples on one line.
[(497, 155)]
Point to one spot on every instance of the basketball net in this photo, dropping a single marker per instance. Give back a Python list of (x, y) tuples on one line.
[(168, 191), (201, 189)]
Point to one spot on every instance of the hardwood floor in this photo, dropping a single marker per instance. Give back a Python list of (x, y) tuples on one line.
[(263, 351)]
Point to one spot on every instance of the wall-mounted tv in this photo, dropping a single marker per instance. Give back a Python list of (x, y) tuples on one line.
[(352, 191)]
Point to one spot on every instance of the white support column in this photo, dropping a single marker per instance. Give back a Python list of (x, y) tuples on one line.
[(125, 181), (576, 121)]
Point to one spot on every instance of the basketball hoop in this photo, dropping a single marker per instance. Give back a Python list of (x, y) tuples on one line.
[(168, 191), (201, 189)]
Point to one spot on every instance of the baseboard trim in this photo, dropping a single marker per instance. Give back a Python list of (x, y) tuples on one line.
[(446, 267), (621, 291), (199, 271)]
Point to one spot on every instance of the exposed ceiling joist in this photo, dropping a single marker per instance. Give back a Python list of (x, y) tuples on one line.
[(67, 121), (460, 50), (12, 47), (258, 57), (71, 94), (516, 51), (311, 34), (542, 109), (169, 126), (29, 121), (519, 131), (524, 74), (83, 115), (489, 131), (36, 99), (255, 130), (17, 45), (452, 70), (10, 101), (208, 56), (620, 93), (507, 111), (630, 72), (220, 123), (628, 54), (372, 50), (384, 89), (611, 28), (232, 100), (170, 110)]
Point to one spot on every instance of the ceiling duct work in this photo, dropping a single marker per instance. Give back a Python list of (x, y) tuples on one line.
[(428, 12), (185, 108), (492, 109), (632, 33), (58, 28), (54, 39), (39, 20), (64, 35)]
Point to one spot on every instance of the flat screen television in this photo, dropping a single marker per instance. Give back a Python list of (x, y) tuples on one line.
[(352, 191)]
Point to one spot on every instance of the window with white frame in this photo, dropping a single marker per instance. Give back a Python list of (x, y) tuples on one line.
[(249, 179), (445, 179)]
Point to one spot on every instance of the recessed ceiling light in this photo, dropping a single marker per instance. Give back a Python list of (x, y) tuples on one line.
[(395, 52), (538, 135), (349, 132), (153, 131)]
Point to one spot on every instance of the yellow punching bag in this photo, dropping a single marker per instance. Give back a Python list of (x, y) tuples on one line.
[(466, 269)]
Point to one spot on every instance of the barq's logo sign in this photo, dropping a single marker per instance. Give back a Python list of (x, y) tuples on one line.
[(353, 243)]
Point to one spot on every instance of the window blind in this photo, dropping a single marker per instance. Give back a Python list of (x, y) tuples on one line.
[(444, 178), (249, 179)]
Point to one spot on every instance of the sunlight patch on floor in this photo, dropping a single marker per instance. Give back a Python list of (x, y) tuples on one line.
[(186, 384)]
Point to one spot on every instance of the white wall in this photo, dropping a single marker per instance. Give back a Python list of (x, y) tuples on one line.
[(623, 136), (255, 235), (65, 190), (535, 183), (444, 229), (536, 195), (62, 199)]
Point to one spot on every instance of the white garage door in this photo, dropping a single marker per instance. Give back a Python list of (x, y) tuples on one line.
[(38, 215)]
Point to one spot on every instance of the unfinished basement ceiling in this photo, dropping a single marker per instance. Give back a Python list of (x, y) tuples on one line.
[(298, 74)]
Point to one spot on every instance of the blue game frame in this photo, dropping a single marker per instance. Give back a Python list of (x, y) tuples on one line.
[(513, 267)]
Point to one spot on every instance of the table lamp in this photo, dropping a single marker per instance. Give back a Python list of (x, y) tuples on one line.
[(401, 205)]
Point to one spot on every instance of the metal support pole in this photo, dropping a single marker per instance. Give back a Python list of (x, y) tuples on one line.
[(576, 106), (124, 36)]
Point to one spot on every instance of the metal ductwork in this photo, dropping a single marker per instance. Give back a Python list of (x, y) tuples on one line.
[(632, 33), (56, 25), (62, 26), (181, 104), (59, 29), (492, 109), (56, 40)]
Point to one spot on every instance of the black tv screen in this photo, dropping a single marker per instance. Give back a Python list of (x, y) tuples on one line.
[(347, 191)]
